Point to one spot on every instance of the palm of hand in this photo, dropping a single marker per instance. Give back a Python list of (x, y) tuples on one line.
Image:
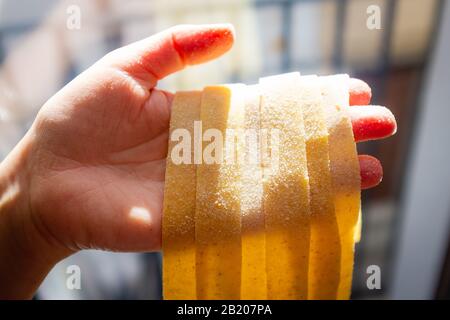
[(101, 165)]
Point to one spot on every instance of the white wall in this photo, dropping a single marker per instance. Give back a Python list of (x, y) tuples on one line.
[(425, 231)]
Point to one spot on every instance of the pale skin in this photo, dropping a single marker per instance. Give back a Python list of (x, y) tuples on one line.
[(96, 152)]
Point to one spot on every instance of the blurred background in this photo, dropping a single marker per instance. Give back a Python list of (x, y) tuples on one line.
[(43, 45)]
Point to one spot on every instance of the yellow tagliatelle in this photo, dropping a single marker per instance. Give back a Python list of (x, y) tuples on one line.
[(325, 247), (254, 284), (286, 191), (218, 215), (270, 208), (358, 228), (178, 225), (344, 166)]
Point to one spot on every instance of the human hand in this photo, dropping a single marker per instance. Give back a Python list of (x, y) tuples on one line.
[(90, 171)]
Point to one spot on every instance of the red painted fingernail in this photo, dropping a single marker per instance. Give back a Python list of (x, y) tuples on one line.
[(359, 92), (372, 122), (371, 171), (200, 43)]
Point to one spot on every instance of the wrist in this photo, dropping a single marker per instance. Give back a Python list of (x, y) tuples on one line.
[(26, 253)]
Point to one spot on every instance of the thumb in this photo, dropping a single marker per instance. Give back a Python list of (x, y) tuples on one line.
[(155, 57)]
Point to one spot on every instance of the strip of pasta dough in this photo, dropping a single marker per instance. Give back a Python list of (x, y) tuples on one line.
[(358, 228), (254, 284), (286, 189), (325, 247), (344, 166), (178, 235), (218, 221)]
